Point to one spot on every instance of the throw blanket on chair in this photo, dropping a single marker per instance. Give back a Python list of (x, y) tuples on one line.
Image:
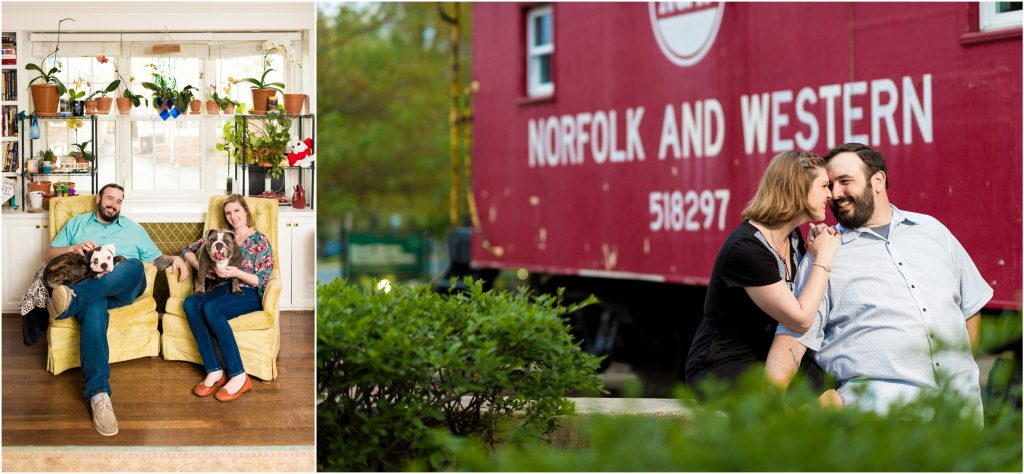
[(35, 317)]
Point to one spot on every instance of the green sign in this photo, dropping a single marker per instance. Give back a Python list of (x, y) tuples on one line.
[(372, 254)]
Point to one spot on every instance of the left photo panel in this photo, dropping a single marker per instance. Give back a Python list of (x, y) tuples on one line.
[(158, 236)]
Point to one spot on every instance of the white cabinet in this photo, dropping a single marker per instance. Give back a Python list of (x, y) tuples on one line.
[(25, 236), (296, 235)]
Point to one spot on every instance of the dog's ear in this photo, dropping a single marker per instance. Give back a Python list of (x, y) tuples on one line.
[(110, 248)]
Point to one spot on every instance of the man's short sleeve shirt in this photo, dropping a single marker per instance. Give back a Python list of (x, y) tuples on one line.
[(131, 240)]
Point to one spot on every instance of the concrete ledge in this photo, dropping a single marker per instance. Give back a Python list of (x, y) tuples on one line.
[(630, 406)]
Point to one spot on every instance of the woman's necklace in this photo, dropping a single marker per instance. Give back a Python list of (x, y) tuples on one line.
[(785, 260)]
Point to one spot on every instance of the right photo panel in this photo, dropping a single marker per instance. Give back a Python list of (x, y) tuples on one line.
[(669, 236)]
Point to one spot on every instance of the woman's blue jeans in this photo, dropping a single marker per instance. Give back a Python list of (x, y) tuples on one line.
[(208, 315), (93, 297)]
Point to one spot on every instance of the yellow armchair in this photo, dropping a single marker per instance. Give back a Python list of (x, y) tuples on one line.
[(258, 334), (132, 332)]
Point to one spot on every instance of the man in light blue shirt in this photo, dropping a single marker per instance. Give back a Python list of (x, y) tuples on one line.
[(89, 300), (899, 317)]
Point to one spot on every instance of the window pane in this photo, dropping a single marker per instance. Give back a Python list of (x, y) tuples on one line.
[(1003, 7), (542, 29), (165, 155), (105, 150), (544, 68)]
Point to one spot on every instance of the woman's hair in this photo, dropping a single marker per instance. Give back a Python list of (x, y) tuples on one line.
[(782, 193), (241, 201)]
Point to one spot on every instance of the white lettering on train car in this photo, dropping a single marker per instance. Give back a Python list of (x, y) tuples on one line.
[(769, 111), (867, 111)]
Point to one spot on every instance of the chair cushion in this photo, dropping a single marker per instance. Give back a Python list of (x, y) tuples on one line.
[(139, 312), (247, 322)]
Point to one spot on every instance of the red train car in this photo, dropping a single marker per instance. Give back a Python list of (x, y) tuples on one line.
[(618, 142)]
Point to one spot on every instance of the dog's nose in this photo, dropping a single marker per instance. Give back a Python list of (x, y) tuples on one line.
[(218, 245), (103, 265)]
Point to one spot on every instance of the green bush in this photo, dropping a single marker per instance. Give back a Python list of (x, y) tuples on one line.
[(393, 366), (749, 429)]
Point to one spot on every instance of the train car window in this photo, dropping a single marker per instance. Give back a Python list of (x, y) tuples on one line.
[(540, 45), (999, 15)]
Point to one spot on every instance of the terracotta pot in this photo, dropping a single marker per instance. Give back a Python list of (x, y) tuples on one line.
[(293, 103), (43, 186), (90, 107), (103, 104), (193, 107), (124, 105), (44, 98), (212, 108), (230, 109), (259, 100)]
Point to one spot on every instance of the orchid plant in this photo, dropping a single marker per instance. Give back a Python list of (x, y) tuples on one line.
[(50, 76), (282, 47)]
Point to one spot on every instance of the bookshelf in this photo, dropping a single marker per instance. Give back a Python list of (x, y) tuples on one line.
[(9, 134)]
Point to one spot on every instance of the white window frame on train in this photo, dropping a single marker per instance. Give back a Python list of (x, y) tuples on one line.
[(990, 18), (537, 54)]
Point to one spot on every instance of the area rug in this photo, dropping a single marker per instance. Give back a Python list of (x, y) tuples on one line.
[(180, 458)]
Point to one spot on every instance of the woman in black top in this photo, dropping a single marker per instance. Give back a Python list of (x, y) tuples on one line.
[(751, 287)]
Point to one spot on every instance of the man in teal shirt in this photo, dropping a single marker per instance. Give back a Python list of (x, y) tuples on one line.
[(89, 300)]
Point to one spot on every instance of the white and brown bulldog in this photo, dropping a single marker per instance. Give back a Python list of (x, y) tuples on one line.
[(219, 250)]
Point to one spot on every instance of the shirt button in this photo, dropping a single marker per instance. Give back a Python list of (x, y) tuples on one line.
[(936, 364), (901, 263), (912, 286), (924, 310)]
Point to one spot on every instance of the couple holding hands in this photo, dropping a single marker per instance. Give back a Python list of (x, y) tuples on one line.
[(886, 301)]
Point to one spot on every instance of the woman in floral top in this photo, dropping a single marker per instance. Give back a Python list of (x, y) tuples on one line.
[(208, 314)]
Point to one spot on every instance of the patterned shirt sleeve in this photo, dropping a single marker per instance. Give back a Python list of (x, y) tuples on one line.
[(259, 259), (193, 247)]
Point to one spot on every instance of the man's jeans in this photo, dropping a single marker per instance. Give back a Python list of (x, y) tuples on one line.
[(93, 297), (209, 313)]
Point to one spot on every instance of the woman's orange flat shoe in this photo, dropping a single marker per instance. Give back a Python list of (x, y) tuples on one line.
[(224, 396), (203, 391)]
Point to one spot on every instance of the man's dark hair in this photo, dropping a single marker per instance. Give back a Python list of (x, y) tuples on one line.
[(873, 161), (111, 185)]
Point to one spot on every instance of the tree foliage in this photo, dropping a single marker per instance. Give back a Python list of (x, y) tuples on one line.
[(383, 77)]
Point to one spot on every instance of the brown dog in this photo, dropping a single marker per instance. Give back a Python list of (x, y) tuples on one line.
[(70, 268), (218, 251)]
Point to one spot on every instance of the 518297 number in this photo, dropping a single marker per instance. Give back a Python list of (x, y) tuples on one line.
[(688, 211)]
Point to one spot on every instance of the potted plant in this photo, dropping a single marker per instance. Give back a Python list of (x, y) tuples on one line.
[(163, 88), (75, 97), (263, 144), (103, 102), (262, 90), (292, 102), (185, 99), (212, 102), (44, 95), (81, 155)]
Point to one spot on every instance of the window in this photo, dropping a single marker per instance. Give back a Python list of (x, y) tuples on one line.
[(540, 46), (999, 15), (151, 157)]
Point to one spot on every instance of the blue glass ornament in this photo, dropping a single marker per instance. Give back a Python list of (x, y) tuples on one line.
[(33, 130), (164, 114), (175, 112)]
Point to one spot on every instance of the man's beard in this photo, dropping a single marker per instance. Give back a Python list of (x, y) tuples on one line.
[(863, 207), (109, 215)]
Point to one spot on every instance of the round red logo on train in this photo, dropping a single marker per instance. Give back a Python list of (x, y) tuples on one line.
[(685, 30)]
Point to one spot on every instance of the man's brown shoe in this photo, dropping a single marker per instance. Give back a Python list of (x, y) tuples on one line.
[(60, 300), (224, 396), (203, 391)]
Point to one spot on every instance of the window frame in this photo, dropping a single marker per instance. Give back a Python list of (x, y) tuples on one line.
[(210, 182), (535, 88), (989, 20)]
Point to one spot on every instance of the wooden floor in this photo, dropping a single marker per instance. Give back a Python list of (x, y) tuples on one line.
[(153, 401)]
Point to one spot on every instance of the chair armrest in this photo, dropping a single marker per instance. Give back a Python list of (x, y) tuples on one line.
[(179, 289), (272, 296), (150, 271)]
